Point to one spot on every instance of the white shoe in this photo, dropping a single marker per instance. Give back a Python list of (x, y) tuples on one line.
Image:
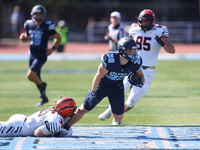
[(115, 122), (105, 114)]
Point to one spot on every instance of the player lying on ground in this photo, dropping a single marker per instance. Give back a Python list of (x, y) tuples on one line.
[(41, 124)]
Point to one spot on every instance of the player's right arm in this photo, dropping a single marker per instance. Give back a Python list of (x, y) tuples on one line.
[(102, 71), (42, 131), (24, 37), (48, 129)]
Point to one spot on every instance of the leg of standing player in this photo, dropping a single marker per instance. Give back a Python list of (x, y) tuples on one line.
[(33, 74)]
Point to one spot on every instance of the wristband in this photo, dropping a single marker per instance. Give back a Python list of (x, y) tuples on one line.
[(54, 48)]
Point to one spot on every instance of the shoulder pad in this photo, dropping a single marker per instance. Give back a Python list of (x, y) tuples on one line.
[(27, 22)]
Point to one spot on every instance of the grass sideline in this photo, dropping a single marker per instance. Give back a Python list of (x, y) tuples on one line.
[(173, 99)]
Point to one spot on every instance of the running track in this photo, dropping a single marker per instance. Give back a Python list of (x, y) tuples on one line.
[(88, 51)]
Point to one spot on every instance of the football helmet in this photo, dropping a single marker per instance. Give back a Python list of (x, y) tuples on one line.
[(38, 9), (127, 43), (65, 106), (146, 14)]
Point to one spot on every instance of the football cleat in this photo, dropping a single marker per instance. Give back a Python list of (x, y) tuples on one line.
[(106, 114), (115, 122), (44, 100)]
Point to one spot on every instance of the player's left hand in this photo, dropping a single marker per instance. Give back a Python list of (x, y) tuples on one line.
[(53, 127), (49, 51), (158, 39)]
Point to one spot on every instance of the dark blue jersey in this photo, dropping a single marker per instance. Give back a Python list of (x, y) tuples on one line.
[(39, 35), (117, 72)]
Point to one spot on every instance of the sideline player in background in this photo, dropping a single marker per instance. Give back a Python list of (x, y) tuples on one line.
[(41, 124), (149, 37), (108, 81), (115, 31), (38, 32)]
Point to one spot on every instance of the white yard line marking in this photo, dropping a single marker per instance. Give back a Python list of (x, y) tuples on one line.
[(20, 143), (163, 135)]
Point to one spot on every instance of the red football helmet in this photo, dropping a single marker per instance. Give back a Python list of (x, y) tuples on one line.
[(65, 106), (146, 14)]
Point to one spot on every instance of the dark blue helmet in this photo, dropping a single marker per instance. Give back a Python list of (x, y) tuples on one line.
[(127, 43), (38, 9)]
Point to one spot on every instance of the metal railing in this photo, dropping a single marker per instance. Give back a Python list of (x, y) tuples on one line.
[(179, 31)]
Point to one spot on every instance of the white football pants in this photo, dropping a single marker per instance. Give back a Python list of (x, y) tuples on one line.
[(137, 93), (13, 127)]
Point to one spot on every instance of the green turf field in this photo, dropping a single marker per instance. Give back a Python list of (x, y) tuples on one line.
[(173, 99)]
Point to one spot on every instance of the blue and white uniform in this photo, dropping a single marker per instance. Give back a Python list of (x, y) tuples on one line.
[(39, 36), (111, 84)]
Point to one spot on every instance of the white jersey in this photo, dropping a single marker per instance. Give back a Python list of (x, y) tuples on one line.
[(116, 34), (21, 125), (148, 47)]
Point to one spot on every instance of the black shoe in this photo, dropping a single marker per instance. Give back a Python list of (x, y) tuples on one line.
[(42, 89), (44, 100)]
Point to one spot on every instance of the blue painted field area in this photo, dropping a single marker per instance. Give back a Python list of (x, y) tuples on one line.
[(131, 137)]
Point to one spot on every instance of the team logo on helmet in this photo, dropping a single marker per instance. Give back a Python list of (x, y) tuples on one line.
[(65, 106), (146, 14)]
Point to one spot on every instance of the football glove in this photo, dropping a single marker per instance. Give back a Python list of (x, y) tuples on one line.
[(64, 133), (158, 39), (135, 79), (53, 127)]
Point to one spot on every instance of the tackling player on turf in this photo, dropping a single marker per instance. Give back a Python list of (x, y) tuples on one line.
[(149, 37), (41, 124), (38, 32)]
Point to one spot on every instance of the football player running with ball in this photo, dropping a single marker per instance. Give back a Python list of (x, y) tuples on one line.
[(38, 32), (149, 37), (108, 81), (41, 124)]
